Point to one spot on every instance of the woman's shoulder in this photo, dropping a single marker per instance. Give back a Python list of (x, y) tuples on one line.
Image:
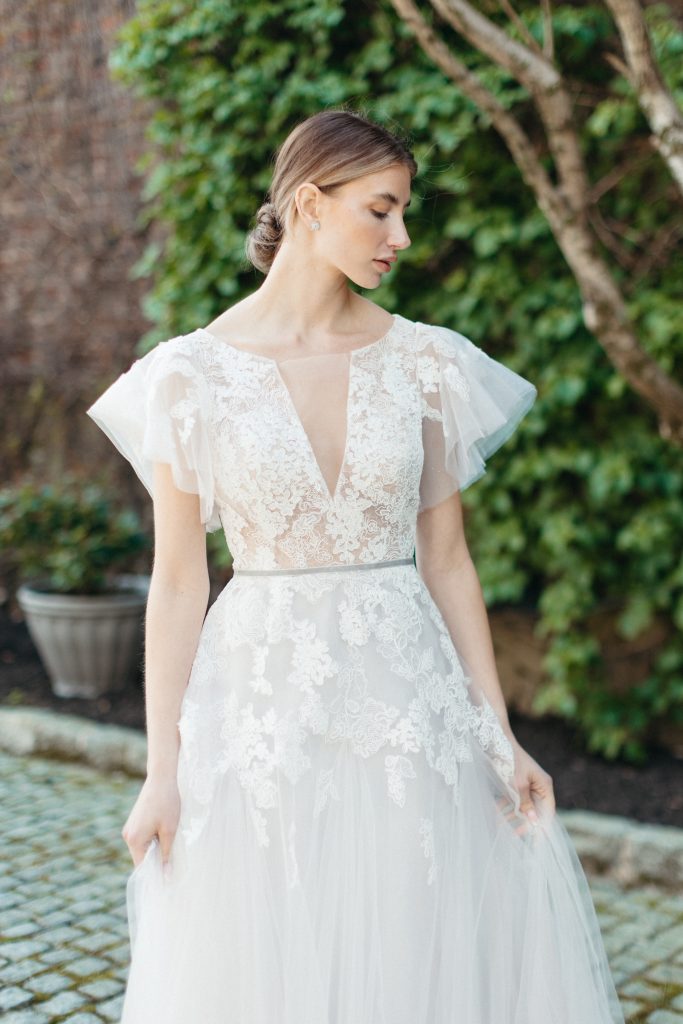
[(439, 340), (180, 359)]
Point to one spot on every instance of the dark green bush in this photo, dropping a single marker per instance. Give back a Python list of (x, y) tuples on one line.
[(67, 538)]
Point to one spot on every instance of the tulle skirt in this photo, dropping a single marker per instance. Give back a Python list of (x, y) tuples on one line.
[(351, 849)]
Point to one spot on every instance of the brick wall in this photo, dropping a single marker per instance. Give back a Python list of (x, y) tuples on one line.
[(69, 197)]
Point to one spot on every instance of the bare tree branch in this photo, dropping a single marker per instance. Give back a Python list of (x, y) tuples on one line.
[(508, 127), (548, 34), (537, 74), (566, 207), (613, 177), (611, 239), (656, 253), (523, 30), (655, 99), (619, 66)]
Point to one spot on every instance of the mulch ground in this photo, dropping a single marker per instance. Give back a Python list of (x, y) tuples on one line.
[(652, 792)]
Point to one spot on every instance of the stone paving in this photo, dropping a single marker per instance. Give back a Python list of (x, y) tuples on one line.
[(63, 930)]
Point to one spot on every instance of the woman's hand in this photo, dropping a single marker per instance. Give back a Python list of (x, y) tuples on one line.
[(532, 783), (156, 812)]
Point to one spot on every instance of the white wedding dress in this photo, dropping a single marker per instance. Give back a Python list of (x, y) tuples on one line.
[(350, 847)]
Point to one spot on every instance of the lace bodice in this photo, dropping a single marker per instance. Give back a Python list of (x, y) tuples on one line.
[(317, 460)]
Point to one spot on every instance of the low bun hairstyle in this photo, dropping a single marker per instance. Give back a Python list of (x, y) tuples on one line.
[(330, 149)]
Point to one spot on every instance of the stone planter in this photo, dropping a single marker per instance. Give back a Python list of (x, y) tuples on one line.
[(89, 645)]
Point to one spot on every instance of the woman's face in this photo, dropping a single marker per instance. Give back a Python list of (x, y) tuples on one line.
[(361, 226)]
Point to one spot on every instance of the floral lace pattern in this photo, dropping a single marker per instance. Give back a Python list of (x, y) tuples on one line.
[(384, 617), (275, 508), (423, 408), (427, 843), (354, 662), (347, 844)]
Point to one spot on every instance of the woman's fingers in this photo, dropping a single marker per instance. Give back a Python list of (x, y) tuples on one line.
[(138, 849), (543, 785), (154, 817), (512, 815), (526, 804), (165, 844), (533, 783)]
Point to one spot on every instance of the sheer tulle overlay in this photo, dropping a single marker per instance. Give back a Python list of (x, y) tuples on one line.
[(351, 848)]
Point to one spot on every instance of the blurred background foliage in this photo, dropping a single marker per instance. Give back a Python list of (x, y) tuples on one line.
[(66, 538), (581, 515)]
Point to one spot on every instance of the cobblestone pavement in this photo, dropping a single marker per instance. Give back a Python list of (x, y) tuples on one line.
[(63, 930)]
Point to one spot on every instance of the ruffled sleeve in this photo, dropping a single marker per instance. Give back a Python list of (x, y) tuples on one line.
[(159, 411), (471, 404)]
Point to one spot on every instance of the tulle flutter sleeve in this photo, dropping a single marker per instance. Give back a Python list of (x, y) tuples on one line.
[(159, 411), (471, 404)]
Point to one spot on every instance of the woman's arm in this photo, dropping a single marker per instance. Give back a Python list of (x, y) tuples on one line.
[(444, 562), (178, 597)]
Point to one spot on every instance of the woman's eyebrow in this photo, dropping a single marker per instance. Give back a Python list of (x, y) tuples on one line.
[(389, 197)]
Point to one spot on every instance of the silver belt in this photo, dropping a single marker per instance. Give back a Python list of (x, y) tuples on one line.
[(322, 568)]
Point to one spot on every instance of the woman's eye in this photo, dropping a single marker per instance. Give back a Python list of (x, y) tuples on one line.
[(380, 216)]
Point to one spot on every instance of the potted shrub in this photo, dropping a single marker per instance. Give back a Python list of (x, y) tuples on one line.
[(62, 544)]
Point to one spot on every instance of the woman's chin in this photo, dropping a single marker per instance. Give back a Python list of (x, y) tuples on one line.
[(371, 280)]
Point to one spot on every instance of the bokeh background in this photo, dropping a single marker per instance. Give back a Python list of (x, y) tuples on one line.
[(136, 145)]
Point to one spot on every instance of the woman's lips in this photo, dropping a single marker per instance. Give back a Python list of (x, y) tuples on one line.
[(384, 264)]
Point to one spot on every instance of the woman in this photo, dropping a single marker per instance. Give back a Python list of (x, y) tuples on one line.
[(338, 825)]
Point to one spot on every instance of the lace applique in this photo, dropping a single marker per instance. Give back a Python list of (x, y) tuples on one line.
[(427, 843), (425, 408), (326, 789), (457, 381), (331, 697), (356, 716), (275, 507), (399, 768), (185, 412), (161, 410), (361, 661), (470, 405)]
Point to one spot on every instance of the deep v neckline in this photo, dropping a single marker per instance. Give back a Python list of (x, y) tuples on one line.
[(296, 418), (274, 364)]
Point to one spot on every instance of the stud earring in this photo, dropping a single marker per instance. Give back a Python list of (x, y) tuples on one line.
[(315, 225)]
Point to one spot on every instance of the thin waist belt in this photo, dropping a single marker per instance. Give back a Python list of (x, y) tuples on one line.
[(322, 568)]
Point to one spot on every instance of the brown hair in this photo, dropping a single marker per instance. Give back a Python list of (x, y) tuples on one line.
[(330, 149)]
